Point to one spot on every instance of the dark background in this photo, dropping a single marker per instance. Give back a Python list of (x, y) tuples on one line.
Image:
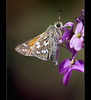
[(29, 78)]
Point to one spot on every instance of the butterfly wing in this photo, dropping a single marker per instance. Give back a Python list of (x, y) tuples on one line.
[(41, 47), (26, 48), (47, 47), (44, 46), (38, 47)]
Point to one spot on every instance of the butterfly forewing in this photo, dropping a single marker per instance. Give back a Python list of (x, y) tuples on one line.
[(38, 47), (26, 47)]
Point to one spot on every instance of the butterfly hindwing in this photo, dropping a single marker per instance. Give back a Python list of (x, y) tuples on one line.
[(47, 47), (41, 47)]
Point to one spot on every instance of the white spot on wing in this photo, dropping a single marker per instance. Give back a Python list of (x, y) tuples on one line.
[(24, 44), (25, 49), (44, 51), (38, 46), (37, 43), (45, 37), (46, 43), (38, 52)]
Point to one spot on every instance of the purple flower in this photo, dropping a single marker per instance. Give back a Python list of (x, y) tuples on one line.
[(77, 40), (72, 50), (74, 42), (67, 34), (67, 66)]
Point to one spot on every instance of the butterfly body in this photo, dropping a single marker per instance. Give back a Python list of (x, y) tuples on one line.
[(45, 46)]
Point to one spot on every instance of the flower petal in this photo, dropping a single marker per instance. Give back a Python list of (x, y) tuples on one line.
[(68, 45), (82, 31), (66, 34), (79, 27), (72, 43), (78, 44), (72, 50), (64, 65), (69, 24), (78, 66), (67, 75)]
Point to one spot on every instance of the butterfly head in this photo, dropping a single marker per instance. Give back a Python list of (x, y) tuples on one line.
[(58, 24)]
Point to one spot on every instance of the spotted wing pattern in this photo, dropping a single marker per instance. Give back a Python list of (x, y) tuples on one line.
[(44, 46), (26, 48), (38, 47), (41, 48)]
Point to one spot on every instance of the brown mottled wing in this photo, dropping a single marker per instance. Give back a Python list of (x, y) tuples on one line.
[(38, 47), (26, 47), (46, 47), (41, 47)]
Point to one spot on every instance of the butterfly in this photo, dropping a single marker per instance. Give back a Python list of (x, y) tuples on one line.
[(44, 46)]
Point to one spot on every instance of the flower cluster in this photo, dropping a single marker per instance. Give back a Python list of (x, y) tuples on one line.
[(74, 42)]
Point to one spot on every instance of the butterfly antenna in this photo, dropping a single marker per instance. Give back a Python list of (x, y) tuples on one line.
[(59, 16)]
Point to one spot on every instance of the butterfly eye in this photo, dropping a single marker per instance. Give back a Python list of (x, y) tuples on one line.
[(58, 25)]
